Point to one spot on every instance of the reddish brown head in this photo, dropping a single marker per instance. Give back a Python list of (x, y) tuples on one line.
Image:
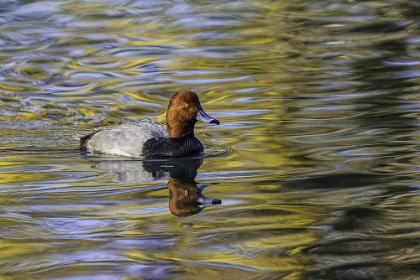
[(183, 112)]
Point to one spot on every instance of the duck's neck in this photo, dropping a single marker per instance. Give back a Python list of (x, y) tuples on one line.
[(181, 130)]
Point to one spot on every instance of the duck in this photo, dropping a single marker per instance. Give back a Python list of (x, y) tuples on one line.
[(149, 140)]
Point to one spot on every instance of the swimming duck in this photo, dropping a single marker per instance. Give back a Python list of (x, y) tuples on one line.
[(149, 140)]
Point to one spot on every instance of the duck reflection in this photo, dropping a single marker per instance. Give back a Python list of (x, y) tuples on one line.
[(185, 194), (186, 198)]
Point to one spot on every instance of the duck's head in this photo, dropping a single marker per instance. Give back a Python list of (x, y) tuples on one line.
[(183, 112)]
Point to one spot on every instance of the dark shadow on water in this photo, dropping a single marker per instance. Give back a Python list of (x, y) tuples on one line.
[(333, 181)]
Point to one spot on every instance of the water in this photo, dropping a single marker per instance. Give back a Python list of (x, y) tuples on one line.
[(312, 173)]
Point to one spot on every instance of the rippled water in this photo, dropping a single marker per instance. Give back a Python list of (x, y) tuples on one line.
[(312, 174)]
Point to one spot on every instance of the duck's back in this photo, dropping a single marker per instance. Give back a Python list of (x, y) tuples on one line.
[(125, 139)]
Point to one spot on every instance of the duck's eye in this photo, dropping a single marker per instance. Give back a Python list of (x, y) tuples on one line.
[(186, 105)]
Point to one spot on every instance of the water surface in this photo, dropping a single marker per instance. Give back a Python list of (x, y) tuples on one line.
[(312, 172)]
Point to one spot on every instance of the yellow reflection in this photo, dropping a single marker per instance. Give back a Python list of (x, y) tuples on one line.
[(18, 177), (10, 250)]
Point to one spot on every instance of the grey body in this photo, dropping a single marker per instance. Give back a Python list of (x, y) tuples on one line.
[(125, 139)]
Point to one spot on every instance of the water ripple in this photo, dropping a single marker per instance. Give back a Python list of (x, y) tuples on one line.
[(315, 162)]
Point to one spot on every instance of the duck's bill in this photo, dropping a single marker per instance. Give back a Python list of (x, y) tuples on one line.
[(202, 116)]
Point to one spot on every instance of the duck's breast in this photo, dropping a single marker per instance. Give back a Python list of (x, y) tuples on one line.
[(125, 139)]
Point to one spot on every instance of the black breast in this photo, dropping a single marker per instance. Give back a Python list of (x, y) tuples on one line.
[(172, 147)]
